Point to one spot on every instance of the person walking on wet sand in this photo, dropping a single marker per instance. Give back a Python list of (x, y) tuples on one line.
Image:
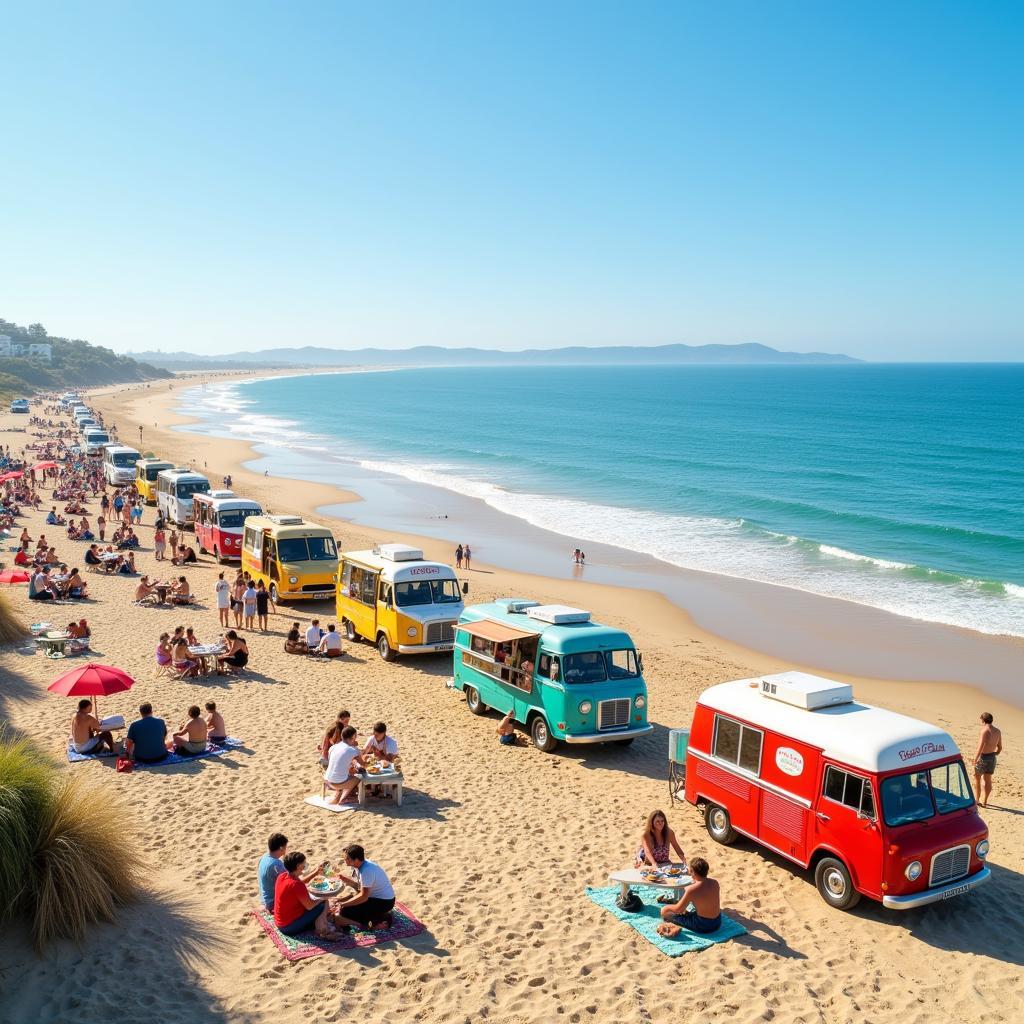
[(990, 743), (458, 557), (466, 555)]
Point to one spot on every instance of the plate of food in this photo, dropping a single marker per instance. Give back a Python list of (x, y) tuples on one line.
[(324, 886)]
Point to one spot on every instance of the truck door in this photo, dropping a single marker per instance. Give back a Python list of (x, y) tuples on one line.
[(271, 566), (386, 617), (845, 820)]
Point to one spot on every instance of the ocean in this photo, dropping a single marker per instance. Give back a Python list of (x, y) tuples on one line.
[(899, 487)]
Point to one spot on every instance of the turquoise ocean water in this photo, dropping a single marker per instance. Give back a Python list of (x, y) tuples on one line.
[(896, 486)]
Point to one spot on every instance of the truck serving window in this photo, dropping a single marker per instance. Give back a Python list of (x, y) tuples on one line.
[(851, 790), (738, 744)]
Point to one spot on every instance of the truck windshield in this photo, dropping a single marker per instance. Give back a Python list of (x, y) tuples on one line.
[(187, 488), (124, 460), (307, 549), (408, 595), (916, 796), (584, 668), (153, 471), (235, 518)]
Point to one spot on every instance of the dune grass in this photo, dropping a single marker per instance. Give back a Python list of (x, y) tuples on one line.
[(11, 628), (62, 868)]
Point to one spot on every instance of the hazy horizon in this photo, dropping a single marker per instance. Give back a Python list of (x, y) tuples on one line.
[(238, 178)]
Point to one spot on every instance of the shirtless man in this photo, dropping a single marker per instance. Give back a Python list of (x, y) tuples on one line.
[(191, 736), (86, 735), (990, 743), (705, 896), (145, 590)]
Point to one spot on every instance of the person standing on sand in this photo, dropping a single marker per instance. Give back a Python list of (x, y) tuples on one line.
[(101, 525), (990, 743), (466, 555), (172, 543), (458, 557), (223, 591), (237, 591)]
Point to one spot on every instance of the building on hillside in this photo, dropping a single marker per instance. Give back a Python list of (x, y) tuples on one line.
[(41, 350), (5, 346)]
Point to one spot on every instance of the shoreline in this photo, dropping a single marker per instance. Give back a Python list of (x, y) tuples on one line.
[(754, 620)]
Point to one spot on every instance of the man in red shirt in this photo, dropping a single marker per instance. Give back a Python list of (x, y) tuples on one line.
[(295, 910)]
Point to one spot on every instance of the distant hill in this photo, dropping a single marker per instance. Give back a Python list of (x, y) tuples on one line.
[(433, 355), (72, 363)]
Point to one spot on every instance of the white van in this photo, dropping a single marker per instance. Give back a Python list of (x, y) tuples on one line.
[(174, 490), (119, 463), (95, 439)]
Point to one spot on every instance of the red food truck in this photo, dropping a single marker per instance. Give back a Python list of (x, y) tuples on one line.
[(874, 803), (218, 518)]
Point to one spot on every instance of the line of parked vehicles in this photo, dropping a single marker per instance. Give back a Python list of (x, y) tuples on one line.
[(870, 802)]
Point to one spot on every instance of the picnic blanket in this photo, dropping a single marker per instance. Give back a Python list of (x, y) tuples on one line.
[(404, 925), (319, 801), (647, 920), (212, 750)]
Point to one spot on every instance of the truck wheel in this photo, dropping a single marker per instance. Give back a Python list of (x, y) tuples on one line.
[(273, 592), (835, 884), (719, 825), (350, 632), (202, 550), (473, 701), (541, 735), (384, 648)]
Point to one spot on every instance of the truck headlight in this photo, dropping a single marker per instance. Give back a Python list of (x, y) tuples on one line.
[(586, 707), (982, 849), (411, 631), (640, 701), (913, 870), (293, 580)]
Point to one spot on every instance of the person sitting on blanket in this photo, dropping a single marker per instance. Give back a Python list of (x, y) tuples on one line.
[(330, 643), (657, 843), (340, 761), (191, 735), (704, 894), (87, 736), (294, 643), (181, 593), (217, 731), (270, 867), (375, 898), (145, 590), (295, 911), (92, 556), (76, 586), (127, 566), (146, 737)]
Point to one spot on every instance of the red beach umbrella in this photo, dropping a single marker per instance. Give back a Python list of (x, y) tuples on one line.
[(13, 576), (92, 681), (14, 474), (48, 464)]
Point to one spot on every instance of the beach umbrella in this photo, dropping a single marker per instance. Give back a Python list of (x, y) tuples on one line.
[(13, 576), (92, 681), (13, 474), (48, 464)]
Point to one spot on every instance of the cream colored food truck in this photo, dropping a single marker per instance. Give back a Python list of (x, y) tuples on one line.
[(395, 598)]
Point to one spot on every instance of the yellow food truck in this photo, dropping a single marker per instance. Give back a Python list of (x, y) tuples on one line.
[(396, 599), (146, 472), (296, 559)]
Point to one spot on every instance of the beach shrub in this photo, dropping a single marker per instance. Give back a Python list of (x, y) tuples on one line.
[(62, 866), (11, 627)]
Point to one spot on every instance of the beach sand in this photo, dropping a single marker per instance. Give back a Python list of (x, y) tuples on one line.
[(492, 847)]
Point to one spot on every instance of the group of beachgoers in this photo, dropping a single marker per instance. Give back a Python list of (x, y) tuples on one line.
[(146, 739), (463, 557), (176, 653), (346, 763), (313, 640), (284, 879), (249, 601)]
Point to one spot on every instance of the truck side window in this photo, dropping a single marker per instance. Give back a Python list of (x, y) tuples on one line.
[(385, 594), (850, 790), (738, 744)]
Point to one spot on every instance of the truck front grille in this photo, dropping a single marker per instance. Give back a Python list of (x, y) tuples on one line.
[(613, 714), (950, 865)]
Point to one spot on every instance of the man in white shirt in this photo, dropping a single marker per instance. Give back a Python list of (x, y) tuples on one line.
[(330, 643), (339, 762), (313, 635), (381, 744), (374, 899)]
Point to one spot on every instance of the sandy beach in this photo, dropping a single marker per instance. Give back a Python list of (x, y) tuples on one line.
[(493, 846)]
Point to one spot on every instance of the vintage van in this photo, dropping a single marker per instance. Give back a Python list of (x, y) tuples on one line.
[(146, 472), (94, 439), (874, 803), (397, 599), (564, 677), (218, 518), (175, 489), (119, 464), (296, 559)]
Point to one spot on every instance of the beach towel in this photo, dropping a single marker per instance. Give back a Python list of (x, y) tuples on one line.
[(404, 925), (212, 750), (319, 801), (646, 922)]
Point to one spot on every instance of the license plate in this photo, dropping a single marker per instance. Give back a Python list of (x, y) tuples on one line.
[(445, 647), (958, 891)]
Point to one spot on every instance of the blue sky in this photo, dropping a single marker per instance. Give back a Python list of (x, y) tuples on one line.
[(215, 177)]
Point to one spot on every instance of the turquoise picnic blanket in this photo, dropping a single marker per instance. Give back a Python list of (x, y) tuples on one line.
[(646, 922)]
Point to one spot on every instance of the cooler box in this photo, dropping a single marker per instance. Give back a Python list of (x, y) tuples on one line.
[(678, 743)]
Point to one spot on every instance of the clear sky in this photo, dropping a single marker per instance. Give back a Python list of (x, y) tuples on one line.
[(224, 176)]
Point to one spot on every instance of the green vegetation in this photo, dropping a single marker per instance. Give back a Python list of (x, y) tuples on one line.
[(61, 867), (74, 363)]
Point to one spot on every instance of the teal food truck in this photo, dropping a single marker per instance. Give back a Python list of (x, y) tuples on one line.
[(565, 678)]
